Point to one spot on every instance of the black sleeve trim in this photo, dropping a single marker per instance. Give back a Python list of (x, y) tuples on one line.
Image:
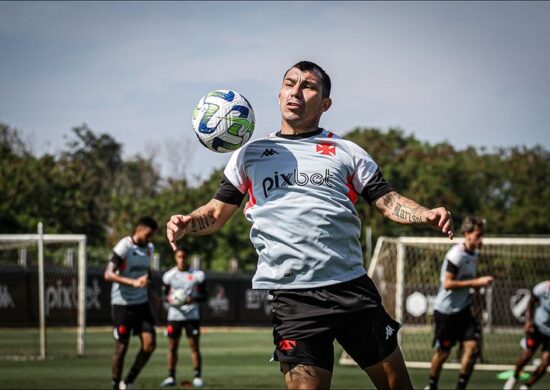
[(116, 260), (376, 187), (452, 268), (228, 193)]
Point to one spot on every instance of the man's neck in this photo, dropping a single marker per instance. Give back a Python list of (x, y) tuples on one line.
[(288, 129)]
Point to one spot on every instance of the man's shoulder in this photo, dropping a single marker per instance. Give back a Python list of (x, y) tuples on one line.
[(455, 253), (123, 244), (199, 275), (169, 274), (541, 288)]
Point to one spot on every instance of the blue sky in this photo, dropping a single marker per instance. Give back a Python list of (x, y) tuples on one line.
[(469, 73)]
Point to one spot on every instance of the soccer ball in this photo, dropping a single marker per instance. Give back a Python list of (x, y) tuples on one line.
[(179, 297), (197, 382), (223, 120)]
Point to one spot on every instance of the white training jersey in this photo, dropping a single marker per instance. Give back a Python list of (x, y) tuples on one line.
[(135, 261), (464, 265), (189, 281), (302, 192), (541, 319)]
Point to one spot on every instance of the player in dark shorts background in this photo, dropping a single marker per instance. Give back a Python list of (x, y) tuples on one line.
[(184, 318), (129, 270), (302, 184), (537, 334), (453, 317)]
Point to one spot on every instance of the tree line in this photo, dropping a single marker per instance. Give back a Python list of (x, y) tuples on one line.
[(90, 188)]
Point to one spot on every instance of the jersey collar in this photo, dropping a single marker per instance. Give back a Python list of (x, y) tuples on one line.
[(300, 136)]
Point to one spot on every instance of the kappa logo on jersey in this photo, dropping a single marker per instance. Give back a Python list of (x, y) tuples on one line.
[(389, 331), (326, 149), (295, 177), (269, 152)]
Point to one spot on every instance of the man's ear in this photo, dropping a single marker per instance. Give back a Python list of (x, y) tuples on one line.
[(327, 103)]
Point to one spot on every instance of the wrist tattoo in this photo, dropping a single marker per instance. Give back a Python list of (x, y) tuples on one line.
[(403, 208), (202, 221)]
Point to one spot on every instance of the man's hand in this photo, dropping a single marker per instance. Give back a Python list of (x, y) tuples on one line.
[(441, 219), (484, 281), (141, 282), (175, 228)]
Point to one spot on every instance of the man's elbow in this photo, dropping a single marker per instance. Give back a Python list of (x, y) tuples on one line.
[(108, 276)]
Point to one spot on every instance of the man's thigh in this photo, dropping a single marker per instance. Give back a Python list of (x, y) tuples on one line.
[(368, 336), (306, 377)]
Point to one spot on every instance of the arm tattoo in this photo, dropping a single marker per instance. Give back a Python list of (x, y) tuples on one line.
[(202, 218), (403, 209)]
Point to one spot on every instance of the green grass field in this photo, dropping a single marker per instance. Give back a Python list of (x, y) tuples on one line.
[(236, 359)]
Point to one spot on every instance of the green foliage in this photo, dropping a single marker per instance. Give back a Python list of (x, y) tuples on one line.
[(89, 188)]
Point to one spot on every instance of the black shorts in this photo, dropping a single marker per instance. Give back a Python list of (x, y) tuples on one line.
[(136, 318), (534, 339), (306, 323), (450, 328), (192, 328)]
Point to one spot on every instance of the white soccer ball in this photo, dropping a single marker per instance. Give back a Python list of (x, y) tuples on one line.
[(179, 297), (197, 382), (223, 120)]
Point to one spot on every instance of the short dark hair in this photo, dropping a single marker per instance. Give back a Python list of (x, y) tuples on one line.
[(149, 222), (313, 67), (181, 249), (470, 224)]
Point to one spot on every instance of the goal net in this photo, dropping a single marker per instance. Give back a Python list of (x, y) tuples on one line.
[(406, 271), (42, 295)]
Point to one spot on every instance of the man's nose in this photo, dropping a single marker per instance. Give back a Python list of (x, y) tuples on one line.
[(296, 90)]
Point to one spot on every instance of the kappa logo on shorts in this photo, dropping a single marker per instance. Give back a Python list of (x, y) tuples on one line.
[(287, 345), (269, 152), (389, 331)]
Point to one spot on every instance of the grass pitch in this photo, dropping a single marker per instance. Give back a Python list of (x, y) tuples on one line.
[(232, 359)]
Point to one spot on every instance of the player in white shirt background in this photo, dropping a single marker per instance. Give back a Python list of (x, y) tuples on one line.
[(184, 316), (454, 320), (302, 183), (537, 334)]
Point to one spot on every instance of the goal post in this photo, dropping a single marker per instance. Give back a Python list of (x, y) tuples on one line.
[(406, 271), (42, 286)]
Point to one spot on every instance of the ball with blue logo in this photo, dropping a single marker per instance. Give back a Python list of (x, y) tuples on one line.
[(223, 120)]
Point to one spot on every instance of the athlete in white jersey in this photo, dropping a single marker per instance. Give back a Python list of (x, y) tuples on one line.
[(129, 270), (453, 317), (302, 183), (183, 316), (537, 333)]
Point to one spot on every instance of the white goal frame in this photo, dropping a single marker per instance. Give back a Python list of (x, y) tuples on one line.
[(40, 239)]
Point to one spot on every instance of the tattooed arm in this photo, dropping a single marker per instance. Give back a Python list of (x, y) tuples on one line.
[(205, 220), (406, 211)]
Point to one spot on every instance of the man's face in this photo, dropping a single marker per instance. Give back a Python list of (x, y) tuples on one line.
[(143, 235), (180, 260), (474, 239), (301, 100)]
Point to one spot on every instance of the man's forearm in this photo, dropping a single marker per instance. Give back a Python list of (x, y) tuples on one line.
[(457, 284), (204, 220), (401, 209)]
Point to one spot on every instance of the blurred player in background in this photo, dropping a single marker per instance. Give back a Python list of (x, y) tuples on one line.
[(129, 270), (184, 316), (537, 333), (303, 182), (454, 320)]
